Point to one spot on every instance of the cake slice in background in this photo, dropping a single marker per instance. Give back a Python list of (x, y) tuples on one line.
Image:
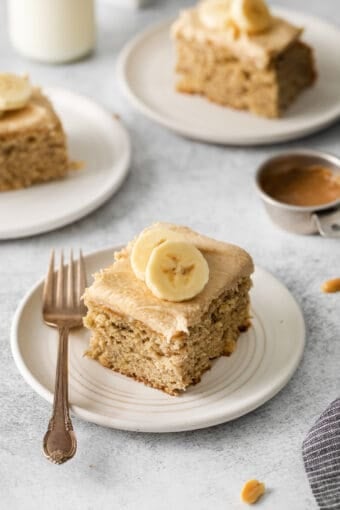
[(168, 343), (33, 145), (237, 54)]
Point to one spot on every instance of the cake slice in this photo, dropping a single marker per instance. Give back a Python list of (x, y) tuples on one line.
[(222, 55), (165, 344), (32, 142)]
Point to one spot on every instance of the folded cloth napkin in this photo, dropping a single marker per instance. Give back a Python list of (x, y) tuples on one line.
[(321, 456)]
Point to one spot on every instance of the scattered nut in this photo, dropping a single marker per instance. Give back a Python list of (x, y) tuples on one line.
[(331, 286), (252, 491)]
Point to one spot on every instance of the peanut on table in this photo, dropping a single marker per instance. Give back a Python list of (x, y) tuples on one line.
[(252, 491)]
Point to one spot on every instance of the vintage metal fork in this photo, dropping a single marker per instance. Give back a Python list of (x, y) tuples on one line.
[(63, 309)]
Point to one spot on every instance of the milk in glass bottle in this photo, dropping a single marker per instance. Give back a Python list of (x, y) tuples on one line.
[(53, 31)]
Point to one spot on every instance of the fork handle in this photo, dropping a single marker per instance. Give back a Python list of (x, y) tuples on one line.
[(60, 442)]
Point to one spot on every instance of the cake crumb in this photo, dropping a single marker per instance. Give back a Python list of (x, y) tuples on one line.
[(252, 491), (77, 165), (331, 286)]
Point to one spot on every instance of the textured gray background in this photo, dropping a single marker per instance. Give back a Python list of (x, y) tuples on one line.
[(211, 189)]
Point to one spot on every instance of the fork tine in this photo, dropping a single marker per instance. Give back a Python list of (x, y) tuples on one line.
[(81, 277), (60, 282), (70, 282), (49, 283)]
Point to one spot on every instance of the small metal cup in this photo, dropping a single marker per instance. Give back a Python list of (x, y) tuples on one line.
[(323, 219)]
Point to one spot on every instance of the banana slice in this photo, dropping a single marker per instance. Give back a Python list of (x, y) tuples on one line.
[(251, 16), (15, 91), (145, 243), (215, 14), (176, 271)]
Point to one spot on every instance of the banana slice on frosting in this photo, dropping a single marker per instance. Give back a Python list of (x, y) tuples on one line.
[(251, 16), (145, 243), (15, 92), (176, 271), (215, 14)]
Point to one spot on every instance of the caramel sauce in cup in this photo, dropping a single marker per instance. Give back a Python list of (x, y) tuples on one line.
[(300, 191), (302, 186)]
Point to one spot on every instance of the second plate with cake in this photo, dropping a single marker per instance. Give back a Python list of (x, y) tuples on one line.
[(98, 143), (147, 72)]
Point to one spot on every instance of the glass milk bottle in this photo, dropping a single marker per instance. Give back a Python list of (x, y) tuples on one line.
[(53, 31)]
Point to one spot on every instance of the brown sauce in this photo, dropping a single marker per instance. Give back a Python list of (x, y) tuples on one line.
[(303, 186)]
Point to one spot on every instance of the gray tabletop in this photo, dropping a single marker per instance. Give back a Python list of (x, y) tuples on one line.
[(211, 189)]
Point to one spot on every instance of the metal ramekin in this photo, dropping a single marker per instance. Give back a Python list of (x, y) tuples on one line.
[(324, 219)]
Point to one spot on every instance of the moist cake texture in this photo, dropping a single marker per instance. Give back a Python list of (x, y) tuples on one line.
[(262, 73), (169, 345), (32, 145)]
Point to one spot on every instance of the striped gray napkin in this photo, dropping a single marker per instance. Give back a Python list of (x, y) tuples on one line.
[(321, 456)]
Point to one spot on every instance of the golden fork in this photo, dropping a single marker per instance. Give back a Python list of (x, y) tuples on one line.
[(63, 309)]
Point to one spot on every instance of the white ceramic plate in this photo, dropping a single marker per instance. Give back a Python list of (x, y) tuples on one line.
[(146, 70), (266, 358), (96, 138)]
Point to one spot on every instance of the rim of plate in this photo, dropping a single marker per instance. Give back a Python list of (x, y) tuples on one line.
[(176, 426), (191, 132), (122, 167)]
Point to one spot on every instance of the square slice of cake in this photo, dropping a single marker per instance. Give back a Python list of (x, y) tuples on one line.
[(169, 344), (260, 71), (32, 144)]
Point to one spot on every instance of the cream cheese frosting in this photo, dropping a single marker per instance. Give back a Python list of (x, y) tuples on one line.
[(259, 49), (29, 117), (118, 289)]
